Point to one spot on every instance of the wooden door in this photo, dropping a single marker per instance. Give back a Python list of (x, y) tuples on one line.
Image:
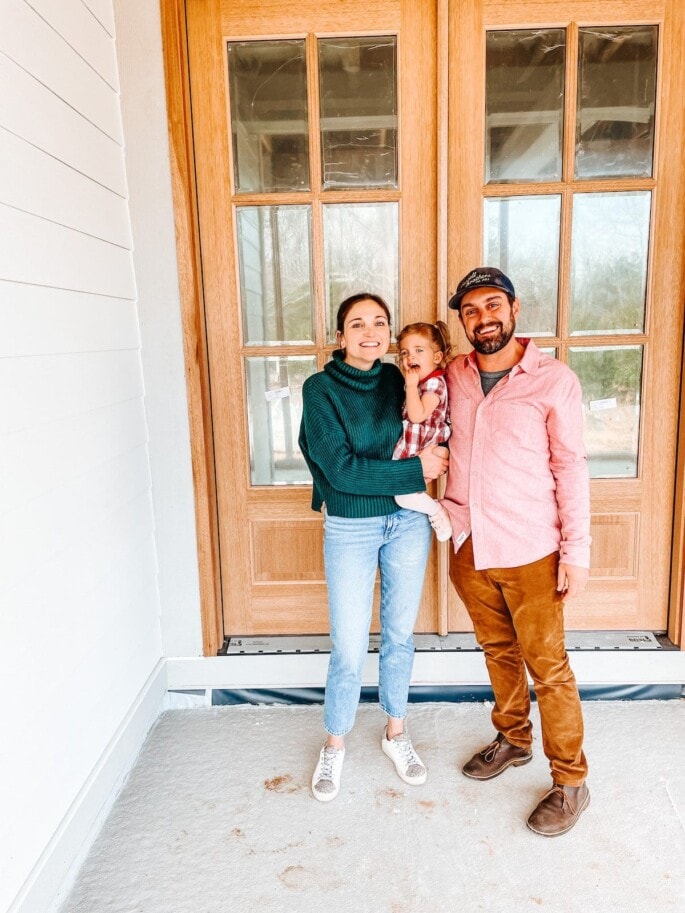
[(314, 138), (566, 132)]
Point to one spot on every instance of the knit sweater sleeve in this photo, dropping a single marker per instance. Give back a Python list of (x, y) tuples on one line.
[(325, 441)]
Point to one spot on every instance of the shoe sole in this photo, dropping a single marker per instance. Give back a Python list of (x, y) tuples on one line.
[(411, 781), (566, 829), (517, 762)]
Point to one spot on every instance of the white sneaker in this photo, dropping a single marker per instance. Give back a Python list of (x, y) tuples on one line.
[(442, 525), (407, 763), (326, 776)]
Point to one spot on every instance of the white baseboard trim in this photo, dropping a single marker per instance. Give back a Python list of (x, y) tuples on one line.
[(465, 668), (54, 873)]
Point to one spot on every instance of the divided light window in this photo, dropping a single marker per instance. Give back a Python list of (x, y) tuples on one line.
[(568, 185), (316, 196)]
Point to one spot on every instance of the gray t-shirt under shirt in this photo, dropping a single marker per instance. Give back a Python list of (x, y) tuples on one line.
[(488, 379)]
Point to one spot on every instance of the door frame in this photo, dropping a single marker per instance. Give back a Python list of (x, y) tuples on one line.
[(182, 161)]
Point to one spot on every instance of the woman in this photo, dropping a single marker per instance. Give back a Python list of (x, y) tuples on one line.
[(350, 424)]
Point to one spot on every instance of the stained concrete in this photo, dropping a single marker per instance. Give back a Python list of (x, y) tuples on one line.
[(217, 816)]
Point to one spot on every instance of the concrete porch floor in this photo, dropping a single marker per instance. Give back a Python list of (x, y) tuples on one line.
[(216, 816)]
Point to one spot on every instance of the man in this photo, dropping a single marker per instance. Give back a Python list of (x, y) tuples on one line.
[(518, 497)]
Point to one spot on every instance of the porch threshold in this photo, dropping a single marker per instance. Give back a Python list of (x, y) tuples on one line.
[(430, 643)]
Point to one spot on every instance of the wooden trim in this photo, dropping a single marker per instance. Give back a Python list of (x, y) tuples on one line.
[(676, 618), (174, 42), (672, 183), (442, 235), (466, 119)]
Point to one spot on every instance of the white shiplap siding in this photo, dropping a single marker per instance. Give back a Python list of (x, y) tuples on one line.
[(82, 31), (79, 604), (102, 11), (41, 185), (31, 111), (34, 45)]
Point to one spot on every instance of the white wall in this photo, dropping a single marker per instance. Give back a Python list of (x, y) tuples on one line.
[(80, 628), (143, 105)]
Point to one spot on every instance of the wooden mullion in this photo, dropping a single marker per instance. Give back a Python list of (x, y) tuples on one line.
[(605, 185), (361, 196), (287, 198), (315, 175), (313, 114), (568, 164)]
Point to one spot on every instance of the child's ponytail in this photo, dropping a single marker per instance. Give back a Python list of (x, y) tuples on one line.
[(446, 344)]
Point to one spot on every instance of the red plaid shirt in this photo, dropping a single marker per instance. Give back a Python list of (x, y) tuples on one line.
[(434, 430)]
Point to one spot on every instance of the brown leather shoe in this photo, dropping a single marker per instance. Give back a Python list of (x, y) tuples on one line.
[(559, 809), (495, 758)]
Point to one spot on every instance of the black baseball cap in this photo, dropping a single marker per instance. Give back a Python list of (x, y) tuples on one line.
[(481, 277)]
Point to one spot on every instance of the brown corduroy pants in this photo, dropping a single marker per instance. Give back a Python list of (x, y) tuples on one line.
[(518, 618)]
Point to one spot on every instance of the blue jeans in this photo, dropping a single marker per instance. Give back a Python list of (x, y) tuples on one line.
[(353, 551)]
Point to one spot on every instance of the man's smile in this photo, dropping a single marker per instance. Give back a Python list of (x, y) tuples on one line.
[(488, 329)]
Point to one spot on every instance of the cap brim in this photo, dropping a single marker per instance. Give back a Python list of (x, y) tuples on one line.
[(454, 302)]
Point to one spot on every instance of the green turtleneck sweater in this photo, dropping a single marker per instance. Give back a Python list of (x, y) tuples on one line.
[(351, 421)]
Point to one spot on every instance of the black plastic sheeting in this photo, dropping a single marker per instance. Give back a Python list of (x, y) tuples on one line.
[(451, 693)]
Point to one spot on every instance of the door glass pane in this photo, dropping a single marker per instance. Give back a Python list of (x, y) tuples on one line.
[(360, 254), (609, 262), (524, 105), (611, 378), (521, 237), (358, 89), (358, 92), (274, 405), (616, 94), (268, 90), (274, 255)]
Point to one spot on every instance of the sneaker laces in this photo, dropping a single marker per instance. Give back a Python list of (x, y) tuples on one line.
[(327, 762), (406, 750)]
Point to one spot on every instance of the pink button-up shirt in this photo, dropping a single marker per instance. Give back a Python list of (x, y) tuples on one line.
[(518, 478)]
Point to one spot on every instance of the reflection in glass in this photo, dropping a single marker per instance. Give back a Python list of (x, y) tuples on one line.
[(275, 274), (268, 89), (524, 105), (609, 262), (611, 378), (616, 96), (358, 112), (360, 254), (521, 237), (274, 405)]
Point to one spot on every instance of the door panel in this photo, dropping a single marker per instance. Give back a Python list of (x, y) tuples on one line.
[(566, 185), (314, 127)]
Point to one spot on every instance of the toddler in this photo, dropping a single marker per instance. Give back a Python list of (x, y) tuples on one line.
[(424, 350)]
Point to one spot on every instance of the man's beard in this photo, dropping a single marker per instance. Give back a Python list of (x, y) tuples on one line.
[(492, 344)]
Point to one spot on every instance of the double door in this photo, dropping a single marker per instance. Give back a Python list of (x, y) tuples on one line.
[(390, 147)]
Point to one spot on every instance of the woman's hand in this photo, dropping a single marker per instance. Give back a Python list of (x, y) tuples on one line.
[(434, 462)]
